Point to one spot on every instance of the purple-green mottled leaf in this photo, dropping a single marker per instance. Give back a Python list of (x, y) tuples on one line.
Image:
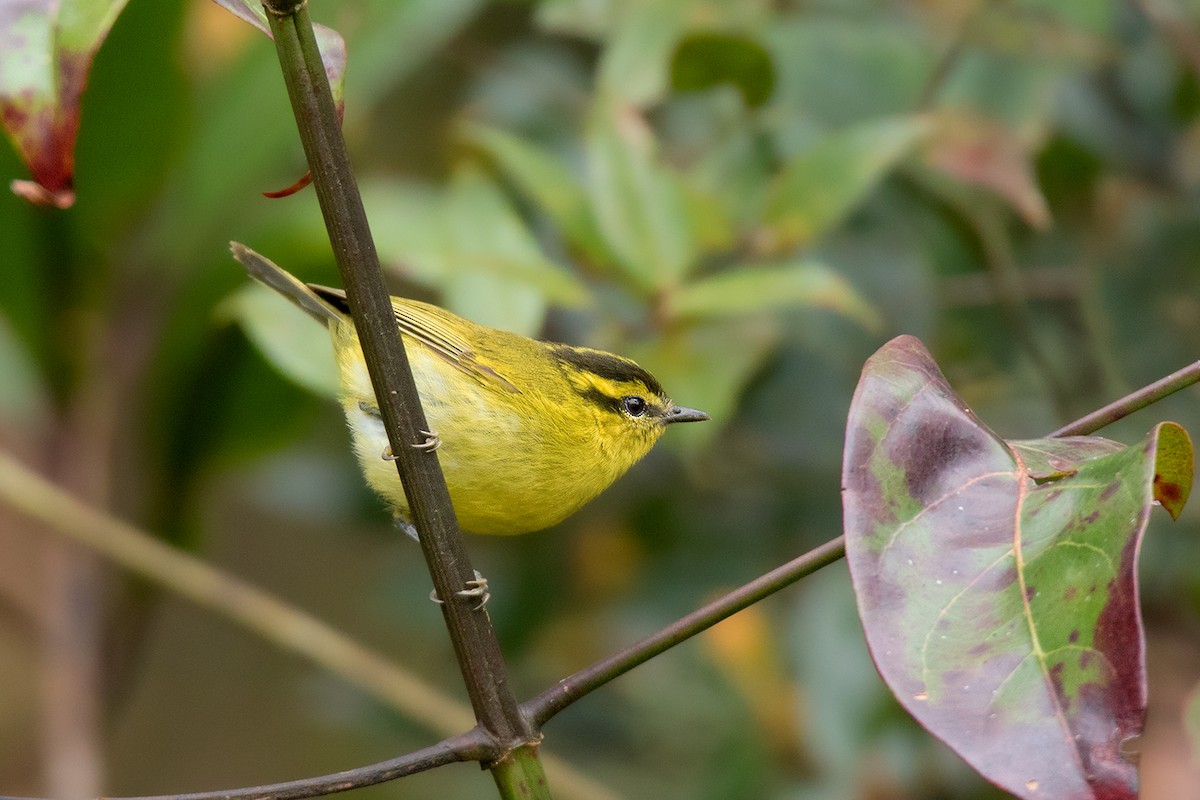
[(46, 51), (997, 581)]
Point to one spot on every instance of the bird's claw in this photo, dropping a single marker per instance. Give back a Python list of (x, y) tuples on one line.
[(432, 441), (476, 590)]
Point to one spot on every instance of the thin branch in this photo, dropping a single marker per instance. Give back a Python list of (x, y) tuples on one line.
[(472, 746), (1135, 401), (545, 705), (469, 747), (475, 644)]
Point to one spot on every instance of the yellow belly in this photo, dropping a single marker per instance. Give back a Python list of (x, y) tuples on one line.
[(509, 471)]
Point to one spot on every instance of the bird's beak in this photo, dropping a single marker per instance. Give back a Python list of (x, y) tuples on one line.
[(682, 414)]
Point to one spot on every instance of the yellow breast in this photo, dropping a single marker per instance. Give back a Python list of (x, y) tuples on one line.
[(514, 461)]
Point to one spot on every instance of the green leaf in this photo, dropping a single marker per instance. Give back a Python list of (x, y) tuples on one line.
[(23, 394), (486, 237), (549, 183), (820, 186), (997, 581), (293, 342), (468, 242), (46, 52), (753, 289), (406, 221), (639, 205), (708, 59), (635, 62)]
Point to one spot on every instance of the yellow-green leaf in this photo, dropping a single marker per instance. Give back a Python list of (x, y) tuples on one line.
[(752, 289), (293, 342), (821, 185), (638, 203)]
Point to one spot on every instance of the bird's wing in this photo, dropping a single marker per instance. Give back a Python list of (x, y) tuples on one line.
[(432, 327)]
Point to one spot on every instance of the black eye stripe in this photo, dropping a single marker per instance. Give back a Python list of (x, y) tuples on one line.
[(599, 398)]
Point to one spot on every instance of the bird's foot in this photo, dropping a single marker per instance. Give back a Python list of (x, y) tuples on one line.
[(476, 590), (432, 441)]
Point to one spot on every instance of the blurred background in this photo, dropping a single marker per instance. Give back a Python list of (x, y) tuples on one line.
[(748, 197)]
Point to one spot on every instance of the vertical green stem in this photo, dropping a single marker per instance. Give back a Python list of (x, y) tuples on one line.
[(475, 645), (519, 774)]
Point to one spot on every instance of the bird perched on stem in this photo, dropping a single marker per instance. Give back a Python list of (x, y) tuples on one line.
[(525, 431)]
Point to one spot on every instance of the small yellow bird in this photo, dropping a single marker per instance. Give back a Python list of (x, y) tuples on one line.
[(526, 431)]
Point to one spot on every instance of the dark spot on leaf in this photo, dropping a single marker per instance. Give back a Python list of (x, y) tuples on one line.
[(1056, 673), (936, 443), (1085, 658), (1070, 592), (1165, 491), (1110, 490), (1030, 592), (1092, 517), (1073, 637), (1001, 581)]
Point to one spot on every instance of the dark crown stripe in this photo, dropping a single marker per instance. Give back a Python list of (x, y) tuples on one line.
[(607, 366)]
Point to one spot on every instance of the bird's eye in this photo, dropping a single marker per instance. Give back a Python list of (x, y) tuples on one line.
[(634, 406)]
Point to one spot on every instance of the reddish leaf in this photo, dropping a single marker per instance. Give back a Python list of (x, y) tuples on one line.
[(46, 50), (989, 154), (997, 581)]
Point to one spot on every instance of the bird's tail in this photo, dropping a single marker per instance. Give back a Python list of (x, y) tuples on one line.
[(270, 274)]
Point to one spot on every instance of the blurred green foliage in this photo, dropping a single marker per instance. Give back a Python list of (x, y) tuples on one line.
[(747, 197)]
